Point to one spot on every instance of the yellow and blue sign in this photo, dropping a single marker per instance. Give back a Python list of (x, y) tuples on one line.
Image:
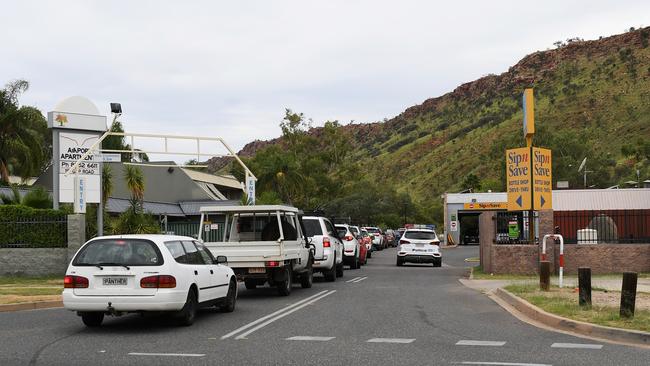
[(542, 179), (518, 173)]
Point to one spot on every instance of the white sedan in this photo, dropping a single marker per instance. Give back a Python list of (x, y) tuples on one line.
[(419, 246), (113, 275)]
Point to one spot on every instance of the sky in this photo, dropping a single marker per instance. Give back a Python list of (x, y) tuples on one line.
[(230, 68)]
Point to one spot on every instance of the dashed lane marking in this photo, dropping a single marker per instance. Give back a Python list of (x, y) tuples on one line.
[(500, 363), (359, 280), (167, 354), (308, 338), (352, 280), (480, 343), (577, 345), (391, 340)]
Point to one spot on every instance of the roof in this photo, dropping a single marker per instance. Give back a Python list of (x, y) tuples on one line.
[(119, 205), (602, 199), (477, 197), (191, 208), (220, 180), (252, 208), (152, 237)]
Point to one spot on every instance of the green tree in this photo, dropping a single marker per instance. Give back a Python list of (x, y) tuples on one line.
[(23, 135), (135, 183), (107, 184), (471, 182)]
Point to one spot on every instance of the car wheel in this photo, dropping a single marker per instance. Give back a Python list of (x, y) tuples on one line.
[(188, 313), (307, 278), (355, 263), (250, 284), (437, 264), (330, 274), (92, 319), (400, 262), (339, 270), (231, 298), (369, 255), (284, 287)]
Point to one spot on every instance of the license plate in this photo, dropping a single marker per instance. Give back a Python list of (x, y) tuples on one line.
[(257, 270), (419, 250), (114, 281)]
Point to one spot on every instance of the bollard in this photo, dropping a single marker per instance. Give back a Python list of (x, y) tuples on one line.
[(584, 285), (544, 275), (628, 294)]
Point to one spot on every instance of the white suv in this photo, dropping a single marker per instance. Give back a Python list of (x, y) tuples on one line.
[(419, 246), (351, 250), (114, 275), (328, 258)]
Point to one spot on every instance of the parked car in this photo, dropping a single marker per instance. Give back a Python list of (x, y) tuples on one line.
[(419, 246), (363, 249), (351, 247), (113, 275), (328, 247), (264, 244), (367, 241), (378, 242), (390, 238)]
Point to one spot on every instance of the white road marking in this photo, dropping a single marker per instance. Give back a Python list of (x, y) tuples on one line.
[(577, 345), (480, 343), (354, 279), (501, 363), (308, 338), (282, 315), (360, 279), (271, 315), (167, 354), (391, 340)]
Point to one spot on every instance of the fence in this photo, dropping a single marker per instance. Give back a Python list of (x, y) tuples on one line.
[(612, 227), (512, 227), (211, 232), (34, 232)]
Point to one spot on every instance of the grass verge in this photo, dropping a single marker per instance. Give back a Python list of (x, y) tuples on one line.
[(479, 274), (564, 302), (15, 289)]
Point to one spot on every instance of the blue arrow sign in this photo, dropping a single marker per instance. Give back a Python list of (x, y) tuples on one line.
[(543, 201), (519, 201)]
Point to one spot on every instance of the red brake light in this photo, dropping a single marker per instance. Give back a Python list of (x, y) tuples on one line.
[(404, 241), (163, 281), (273, 264), (348, 238), (75, 282), (326, 242), (435, 243)]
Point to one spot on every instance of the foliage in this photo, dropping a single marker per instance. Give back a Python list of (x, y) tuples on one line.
[(119, 143), (471, 182), (132, 222), (11, 199), (135, 183), (107, 183), (24, 141), (37, 227), (37, 198)]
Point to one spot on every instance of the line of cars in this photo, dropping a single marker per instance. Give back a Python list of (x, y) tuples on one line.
[(273, 244)]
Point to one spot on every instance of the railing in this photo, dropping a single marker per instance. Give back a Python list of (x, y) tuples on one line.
[(597, 227), (45, 232), (505, 220)]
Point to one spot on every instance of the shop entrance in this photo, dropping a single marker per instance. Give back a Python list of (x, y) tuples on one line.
[(469, 231)]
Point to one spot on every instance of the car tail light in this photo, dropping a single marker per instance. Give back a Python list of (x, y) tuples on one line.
[(163, 281), (273, 263), (404, 242), (348, 238), (435, 243), (75, 282), (326, 242)]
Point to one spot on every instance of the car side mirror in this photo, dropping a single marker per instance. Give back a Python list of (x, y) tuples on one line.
[(221, 259)]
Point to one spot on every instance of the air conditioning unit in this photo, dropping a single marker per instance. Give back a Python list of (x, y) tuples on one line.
[(587, 236)]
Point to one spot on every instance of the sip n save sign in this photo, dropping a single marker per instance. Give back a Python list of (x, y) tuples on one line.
[(529, 179)]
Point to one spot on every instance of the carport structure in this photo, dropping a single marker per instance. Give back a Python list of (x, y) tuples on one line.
[(462, 211)]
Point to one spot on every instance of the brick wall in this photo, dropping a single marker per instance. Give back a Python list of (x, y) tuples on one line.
[(33, 261), (514, 259), (605, 258)]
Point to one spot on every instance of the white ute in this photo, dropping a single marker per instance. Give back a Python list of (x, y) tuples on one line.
[(140, 273), (264, 244)]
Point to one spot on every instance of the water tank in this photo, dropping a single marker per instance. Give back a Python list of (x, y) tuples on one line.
[(587, 236)]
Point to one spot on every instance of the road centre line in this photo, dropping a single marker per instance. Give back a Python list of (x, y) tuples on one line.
[(308, 338), (282, 315), (500, 363), (167, 354), (360, 279), (577, 345), (271, 315), (480, 343), (352, 280), (391, 340)]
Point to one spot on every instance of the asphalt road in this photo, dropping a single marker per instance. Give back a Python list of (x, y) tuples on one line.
[(379, 315)]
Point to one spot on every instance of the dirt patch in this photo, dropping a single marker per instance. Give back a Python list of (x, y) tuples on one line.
[(14, 299), (598, 298)]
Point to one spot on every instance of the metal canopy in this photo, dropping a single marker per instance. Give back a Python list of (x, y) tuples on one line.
[(247, 209)]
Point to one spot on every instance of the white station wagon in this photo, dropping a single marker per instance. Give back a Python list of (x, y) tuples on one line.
[(419, 246), (113, 275)]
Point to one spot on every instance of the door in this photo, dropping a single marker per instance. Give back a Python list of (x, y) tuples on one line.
[(334, 238), (201, 271), (219, 273)]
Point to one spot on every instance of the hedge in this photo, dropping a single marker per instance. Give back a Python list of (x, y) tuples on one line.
[(22, 226)]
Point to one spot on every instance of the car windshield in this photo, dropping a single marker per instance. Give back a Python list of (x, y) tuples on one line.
[(354, 230), (342, 231), (373, 231), (119, 252), (312, 227), (420, 235)]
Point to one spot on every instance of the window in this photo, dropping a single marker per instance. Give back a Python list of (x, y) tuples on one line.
[(342, 231), (330, 229), (129, 252), (354, 230), (176, 250), (205, 253), (193, 255), (420, 235), (312, 227)]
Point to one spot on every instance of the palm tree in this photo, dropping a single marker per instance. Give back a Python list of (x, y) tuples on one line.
[(135, 182), (23, 134), (107, 183)]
